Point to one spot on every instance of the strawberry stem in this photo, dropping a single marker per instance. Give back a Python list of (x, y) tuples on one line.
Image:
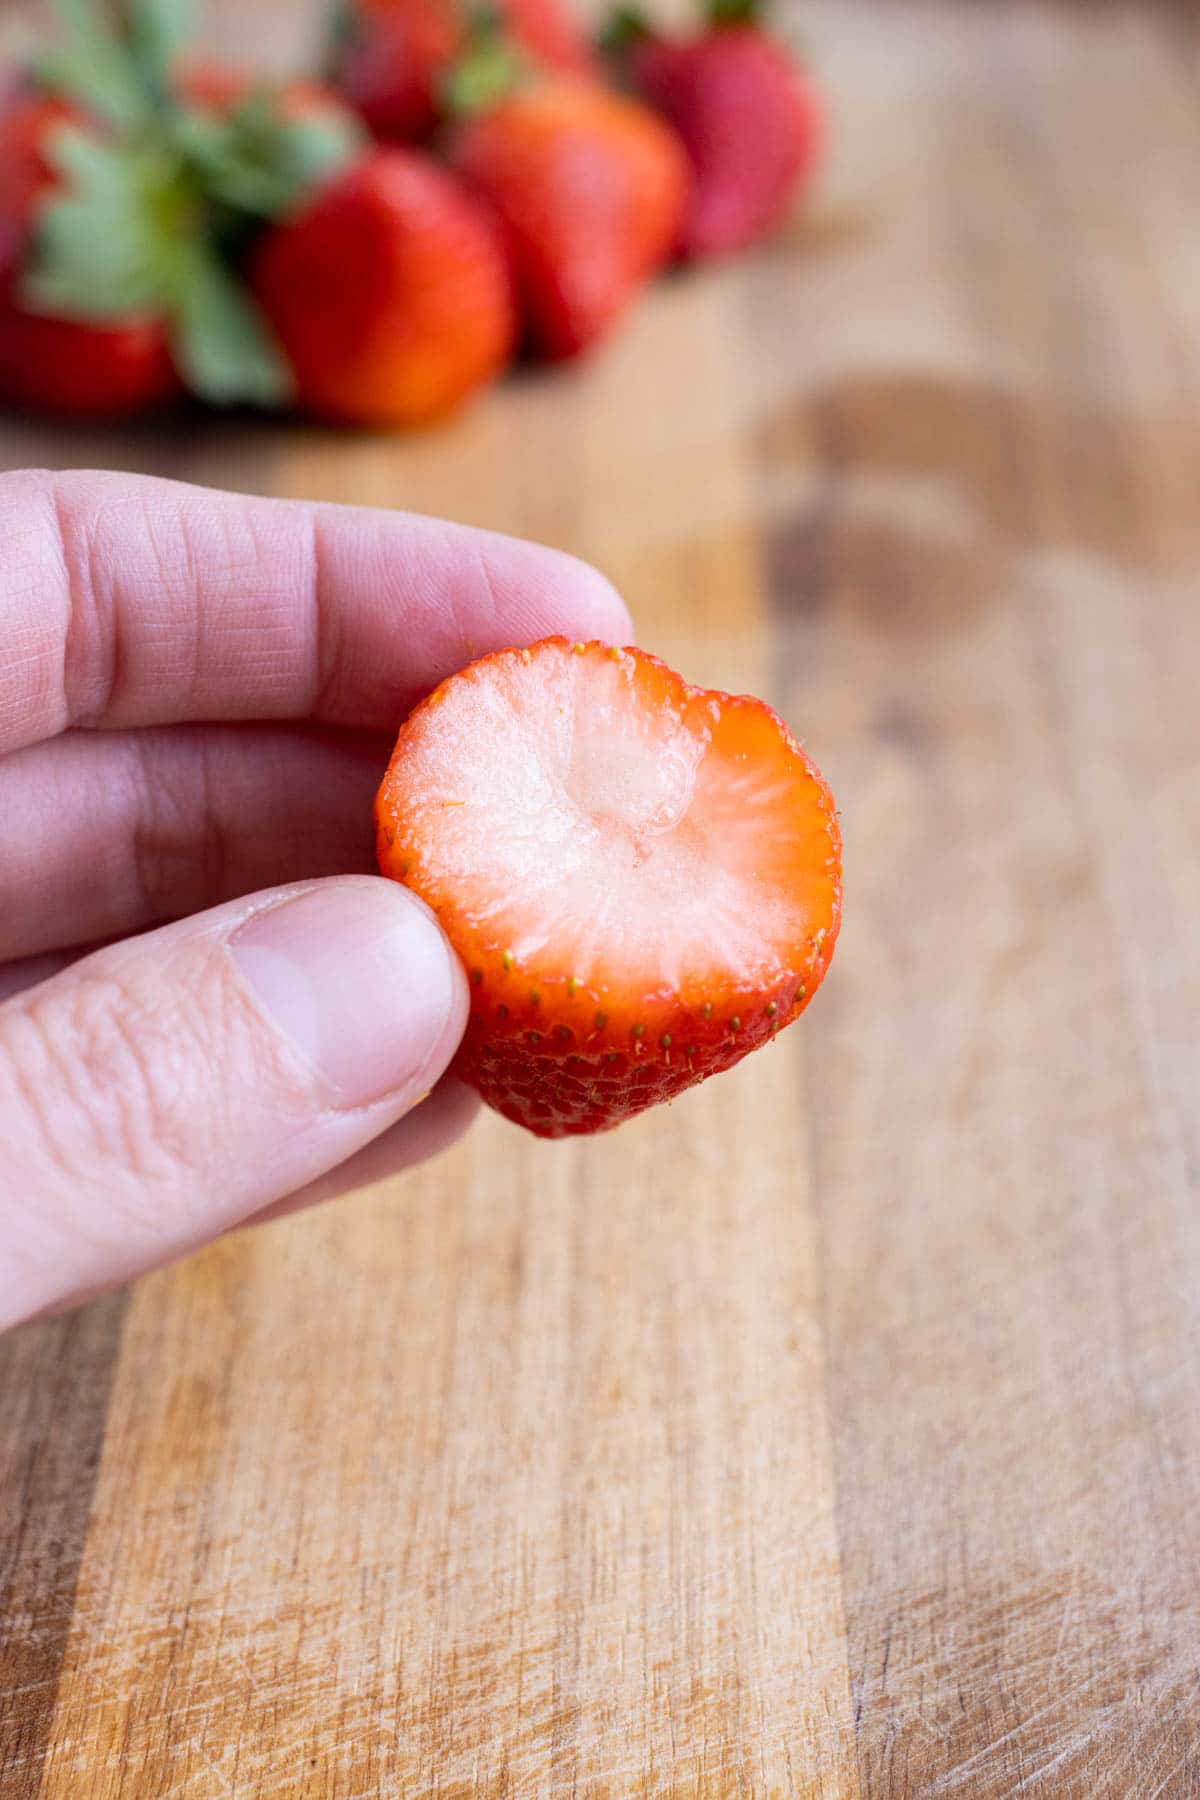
[(490, 69), (732, 12), (625, 26)]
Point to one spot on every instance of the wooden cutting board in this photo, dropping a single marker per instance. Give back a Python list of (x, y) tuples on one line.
[(834, 1432)]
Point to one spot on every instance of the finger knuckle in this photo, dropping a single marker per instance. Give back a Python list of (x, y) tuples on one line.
[(107, 1083)]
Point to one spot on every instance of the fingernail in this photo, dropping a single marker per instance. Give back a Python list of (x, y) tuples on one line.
[(358, 978)]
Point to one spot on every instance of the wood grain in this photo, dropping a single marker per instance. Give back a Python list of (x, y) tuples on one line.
[(833, 1431)]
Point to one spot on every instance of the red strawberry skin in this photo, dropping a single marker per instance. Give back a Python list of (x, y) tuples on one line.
[(392, 54), (24, 172), (576, 1025), (82, 371), (56, 365), (390, 293), (753, 124), (590, 187), (549, 32)]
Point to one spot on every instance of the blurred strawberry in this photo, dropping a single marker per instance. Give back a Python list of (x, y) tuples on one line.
[(389, 293), (751, 118), (388, 57), (60, 365), (589, 186), (82, 371), (126, 202)]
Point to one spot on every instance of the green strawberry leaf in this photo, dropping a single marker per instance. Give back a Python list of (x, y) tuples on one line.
[(341, 34), (490, 68), (260, 162), (624, 27), (127, 235), (101, 241), (95, 70), (732, 12), (489, 72), (157, 31), (220, 342)]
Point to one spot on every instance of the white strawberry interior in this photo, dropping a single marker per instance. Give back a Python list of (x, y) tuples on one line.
[(598, 828)]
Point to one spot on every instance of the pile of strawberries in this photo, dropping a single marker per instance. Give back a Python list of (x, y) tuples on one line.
[(373, 248)]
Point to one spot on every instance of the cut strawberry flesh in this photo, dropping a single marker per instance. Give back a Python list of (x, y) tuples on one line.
[(590, 829)]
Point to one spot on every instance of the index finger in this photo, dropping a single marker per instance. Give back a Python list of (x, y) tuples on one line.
[(126, 600)]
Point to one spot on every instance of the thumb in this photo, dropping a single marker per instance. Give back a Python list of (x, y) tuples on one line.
[(168, 1087)]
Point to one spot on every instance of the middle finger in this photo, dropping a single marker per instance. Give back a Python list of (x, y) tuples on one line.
[(106, 833)]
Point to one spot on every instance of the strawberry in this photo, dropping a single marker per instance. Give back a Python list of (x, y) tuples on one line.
[(642, 878), (388, 57), (590, 188), (61, 365), (126, 205), (751, 119), (389, 293)]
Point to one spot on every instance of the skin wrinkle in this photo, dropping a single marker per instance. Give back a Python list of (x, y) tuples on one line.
[(195, 586), (24, 578), (183, 561), (123, 1082), (173, 828), (326, 636), (267, 593), (83, 1065), (121, 1061), (86, 641), (26, 1071), (489, 590)]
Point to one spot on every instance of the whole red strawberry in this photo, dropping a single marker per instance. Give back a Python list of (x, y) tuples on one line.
[(752, 121), (52, 364), (390, 293), (642, 878), (388, 57), (590, 187)]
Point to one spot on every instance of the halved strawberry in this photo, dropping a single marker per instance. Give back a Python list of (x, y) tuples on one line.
[(642, 878)]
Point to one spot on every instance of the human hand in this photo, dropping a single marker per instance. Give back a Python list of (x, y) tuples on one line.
[(198, 692)]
